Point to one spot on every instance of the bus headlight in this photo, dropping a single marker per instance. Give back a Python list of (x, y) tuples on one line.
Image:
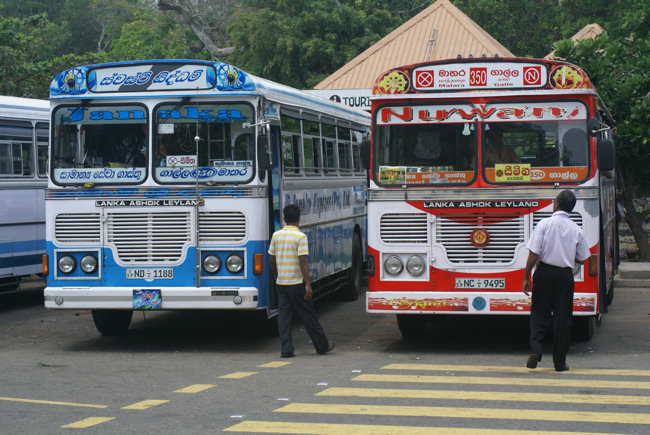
[(67, 264), (415, 265), (88, 263), (393, 265), (211, 263), (234, 263)]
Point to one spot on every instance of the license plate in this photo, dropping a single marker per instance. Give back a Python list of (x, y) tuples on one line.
[(158, 273), (473, 283), (147, 299)]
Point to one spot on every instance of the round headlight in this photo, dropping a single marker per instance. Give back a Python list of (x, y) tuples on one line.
[(88, 263), (211, 263), (67, 264), (393, 265), (415, 265), (234, 263)]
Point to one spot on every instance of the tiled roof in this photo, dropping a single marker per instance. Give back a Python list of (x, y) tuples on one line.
[(441, 31)]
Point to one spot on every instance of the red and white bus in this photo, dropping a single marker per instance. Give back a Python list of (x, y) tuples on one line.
[(466, 157)]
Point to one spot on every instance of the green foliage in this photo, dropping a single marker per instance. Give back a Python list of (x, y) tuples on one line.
[(302, 45)]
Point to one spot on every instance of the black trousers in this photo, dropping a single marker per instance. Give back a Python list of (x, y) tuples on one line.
[(552, 303), (292, 297)]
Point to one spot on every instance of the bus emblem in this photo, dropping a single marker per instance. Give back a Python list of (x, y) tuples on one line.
[(479, 237)]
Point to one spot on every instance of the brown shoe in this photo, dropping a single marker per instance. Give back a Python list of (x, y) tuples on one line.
[(562, 369), (533, 359)]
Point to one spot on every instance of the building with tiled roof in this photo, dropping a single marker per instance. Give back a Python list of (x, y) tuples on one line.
[(441, 31)]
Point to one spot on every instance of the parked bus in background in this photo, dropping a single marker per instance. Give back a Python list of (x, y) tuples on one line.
[(467, 156), (167, 179), (23, 179)]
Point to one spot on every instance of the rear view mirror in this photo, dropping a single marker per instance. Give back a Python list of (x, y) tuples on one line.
[(365, 153), (264, 160), (606, 152)]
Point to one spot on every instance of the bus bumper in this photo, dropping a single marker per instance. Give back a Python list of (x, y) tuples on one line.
[(171, 298), (584, 304)]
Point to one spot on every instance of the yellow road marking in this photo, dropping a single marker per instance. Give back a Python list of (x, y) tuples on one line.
[(196, 388), (52, 402), (555, 382), (237, 375), (508, 369), (362, 429), (274, 364), (478, 413), (145, 404), (87, 422), (486, 395)]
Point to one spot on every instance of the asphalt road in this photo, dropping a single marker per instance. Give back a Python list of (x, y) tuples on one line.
[(206, 372)]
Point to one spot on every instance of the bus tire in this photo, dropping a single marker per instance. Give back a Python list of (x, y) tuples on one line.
[(412, 326), (583, 328), (112, 322), (10, 284), (350, 291), (268, 326)]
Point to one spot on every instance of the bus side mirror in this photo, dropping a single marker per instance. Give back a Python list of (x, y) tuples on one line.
[(606, 153), (264, 160), (365, 153)]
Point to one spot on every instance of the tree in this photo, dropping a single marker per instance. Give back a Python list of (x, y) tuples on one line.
[(618, 64), (300, 43), (207, 19)]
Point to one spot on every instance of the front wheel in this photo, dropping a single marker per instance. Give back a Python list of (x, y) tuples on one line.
[(112, 322), (583, 328), (412, 326)]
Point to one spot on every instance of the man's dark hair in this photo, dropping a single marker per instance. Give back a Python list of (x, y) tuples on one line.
[(291, 213), (566, 200)]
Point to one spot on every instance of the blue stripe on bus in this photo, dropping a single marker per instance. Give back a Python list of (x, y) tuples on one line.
[(20, 260)]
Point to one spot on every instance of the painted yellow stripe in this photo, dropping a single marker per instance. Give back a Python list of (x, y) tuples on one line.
[(196, 388), (274, 364), (510, 369), (362, 429), (87, 422), (52, 402), (478, 413), (503, 381), (237, 375), (486, 395), (145, 404)]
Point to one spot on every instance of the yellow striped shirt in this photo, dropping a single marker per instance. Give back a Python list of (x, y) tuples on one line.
[(286, 245)]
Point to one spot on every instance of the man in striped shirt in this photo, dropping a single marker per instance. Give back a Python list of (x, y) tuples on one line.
[(288, 260)]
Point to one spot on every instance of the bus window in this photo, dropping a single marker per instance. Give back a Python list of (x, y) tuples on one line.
[(330, 158), (312, 154), (96, 137), (291, 154)]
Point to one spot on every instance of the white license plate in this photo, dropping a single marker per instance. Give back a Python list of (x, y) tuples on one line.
[(473, 283), (157, 273)]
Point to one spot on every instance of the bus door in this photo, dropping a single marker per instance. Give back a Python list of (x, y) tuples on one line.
[(274, 209)]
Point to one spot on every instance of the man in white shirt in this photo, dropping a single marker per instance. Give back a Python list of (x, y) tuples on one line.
[(556, 245)]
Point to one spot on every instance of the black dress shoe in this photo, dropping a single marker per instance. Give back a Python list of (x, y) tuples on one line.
[(287, 355), (329, 348), (533, 359), (562, 369)]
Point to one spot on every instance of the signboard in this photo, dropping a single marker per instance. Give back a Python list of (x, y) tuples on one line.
[(483, 75), (358, 98), (151, 77)]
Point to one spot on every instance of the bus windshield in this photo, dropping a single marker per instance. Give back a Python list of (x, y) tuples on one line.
[(225, 148), (547, 141), (426, 154), (99, 144)]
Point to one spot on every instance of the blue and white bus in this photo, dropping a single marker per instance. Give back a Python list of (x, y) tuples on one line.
[(23, 179), (167, 179)]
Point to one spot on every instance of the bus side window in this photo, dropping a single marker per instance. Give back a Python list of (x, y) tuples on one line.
[(330, 158), (291, 154)]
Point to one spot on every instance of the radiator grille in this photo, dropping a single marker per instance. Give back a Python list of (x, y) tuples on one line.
[(152, 237), (403, 228), (77, 227), (539, 215), (506, 232), (222, 226)]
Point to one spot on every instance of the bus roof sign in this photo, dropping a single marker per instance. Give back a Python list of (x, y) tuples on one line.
[(479, 76), (492, 74)]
